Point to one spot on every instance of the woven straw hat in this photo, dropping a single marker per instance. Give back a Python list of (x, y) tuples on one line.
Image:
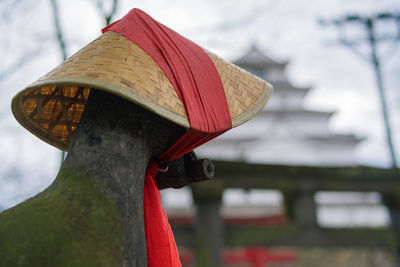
[(51, 107)]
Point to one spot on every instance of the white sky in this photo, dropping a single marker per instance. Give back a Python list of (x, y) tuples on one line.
[(284, 29)]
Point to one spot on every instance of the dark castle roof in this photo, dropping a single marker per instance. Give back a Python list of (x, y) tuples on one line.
[(256, 58)]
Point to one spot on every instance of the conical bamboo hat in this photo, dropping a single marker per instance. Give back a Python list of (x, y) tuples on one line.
[(51, 107)]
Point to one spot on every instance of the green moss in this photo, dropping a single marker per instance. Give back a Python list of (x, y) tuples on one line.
[(72, 223)]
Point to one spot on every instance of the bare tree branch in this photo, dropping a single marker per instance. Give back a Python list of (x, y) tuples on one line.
[(108, 16), (60, 37), (112, 13)]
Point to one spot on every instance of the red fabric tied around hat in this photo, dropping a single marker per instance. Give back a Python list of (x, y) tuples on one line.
[(197, 82)]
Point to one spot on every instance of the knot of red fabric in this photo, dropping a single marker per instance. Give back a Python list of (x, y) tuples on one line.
[(152, 168)]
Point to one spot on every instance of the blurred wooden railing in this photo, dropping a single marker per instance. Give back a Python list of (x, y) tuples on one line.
[(298, 185)]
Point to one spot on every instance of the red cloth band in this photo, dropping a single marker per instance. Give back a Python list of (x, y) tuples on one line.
[(197, 82), (187, 66)]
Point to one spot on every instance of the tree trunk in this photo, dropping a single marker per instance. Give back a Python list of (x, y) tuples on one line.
[(92, 214)]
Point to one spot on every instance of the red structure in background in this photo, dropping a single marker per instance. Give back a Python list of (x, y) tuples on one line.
[(253, 256), (248, 256), (279, 219)]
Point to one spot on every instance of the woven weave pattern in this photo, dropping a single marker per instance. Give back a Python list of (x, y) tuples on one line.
[(242, 89), (114, 59), (57, 110)]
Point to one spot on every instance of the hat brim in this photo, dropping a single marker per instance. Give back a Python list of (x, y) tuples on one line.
[(51, 107)]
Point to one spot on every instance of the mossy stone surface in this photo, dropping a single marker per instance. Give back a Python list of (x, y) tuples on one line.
[(72, 223)]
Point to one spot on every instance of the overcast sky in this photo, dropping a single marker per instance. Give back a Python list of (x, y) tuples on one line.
[(284, 29)]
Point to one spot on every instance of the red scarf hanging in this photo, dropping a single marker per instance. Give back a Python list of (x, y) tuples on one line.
[(196, 81)]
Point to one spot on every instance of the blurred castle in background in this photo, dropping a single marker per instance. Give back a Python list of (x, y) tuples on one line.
[(284, 132)]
